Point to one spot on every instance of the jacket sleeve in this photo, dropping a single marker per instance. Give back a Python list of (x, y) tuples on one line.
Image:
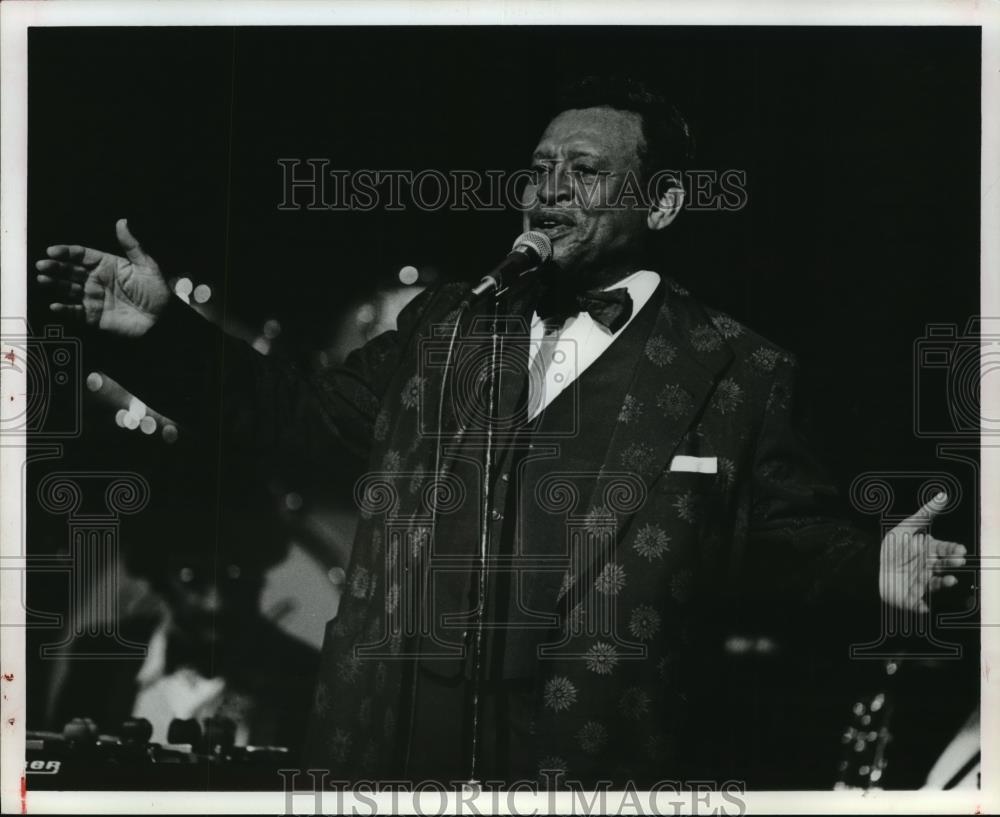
[(191, 371), (802, 542)]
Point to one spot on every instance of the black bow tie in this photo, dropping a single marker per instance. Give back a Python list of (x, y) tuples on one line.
[(611, 308)]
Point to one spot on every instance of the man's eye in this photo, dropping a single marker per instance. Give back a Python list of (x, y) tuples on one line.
[(585, 172)]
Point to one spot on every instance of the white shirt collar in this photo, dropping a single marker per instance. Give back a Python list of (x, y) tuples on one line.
[(571, 350)]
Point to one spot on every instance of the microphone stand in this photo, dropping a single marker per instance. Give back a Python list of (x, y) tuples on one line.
[(493, 377), (496, 284), (499, 287)]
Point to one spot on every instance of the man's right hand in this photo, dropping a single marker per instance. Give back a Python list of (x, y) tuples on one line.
[(124, 296)]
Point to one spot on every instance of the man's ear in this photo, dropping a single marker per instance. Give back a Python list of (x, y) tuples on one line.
[(667, 207)]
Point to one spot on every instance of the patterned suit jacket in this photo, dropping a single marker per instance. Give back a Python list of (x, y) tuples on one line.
[(676, 557)]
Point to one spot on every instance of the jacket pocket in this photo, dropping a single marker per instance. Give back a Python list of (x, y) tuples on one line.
[(679, 482)]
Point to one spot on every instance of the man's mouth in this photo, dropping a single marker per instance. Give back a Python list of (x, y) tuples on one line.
[(552, 224)]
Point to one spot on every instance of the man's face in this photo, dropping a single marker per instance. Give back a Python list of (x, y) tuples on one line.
[(211, 602), (581, 164)]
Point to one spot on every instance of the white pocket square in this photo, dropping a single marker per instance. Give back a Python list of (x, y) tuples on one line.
[(698, 465)]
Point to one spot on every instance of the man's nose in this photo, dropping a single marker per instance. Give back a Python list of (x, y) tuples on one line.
[(211, 600), (554, 186)]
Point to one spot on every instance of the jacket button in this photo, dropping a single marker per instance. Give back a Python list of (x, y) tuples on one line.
[(496, 515)]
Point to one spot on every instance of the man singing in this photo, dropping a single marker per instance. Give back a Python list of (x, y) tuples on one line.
[(557, 527)]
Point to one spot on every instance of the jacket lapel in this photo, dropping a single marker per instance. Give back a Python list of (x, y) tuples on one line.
[(682, 357)]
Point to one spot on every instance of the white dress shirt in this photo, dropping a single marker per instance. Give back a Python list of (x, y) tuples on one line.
[(559, 354), (183, 693)]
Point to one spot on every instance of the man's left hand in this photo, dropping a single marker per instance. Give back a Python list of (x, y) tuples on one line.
[(914, 563)]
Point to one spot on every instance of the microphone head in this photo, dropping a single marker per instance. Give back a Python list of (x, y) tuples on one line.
[(536, 242)]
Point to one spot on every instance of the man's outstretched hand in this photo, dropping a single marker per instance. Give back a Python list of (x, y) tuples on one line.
[(124, 296), (914, 563)]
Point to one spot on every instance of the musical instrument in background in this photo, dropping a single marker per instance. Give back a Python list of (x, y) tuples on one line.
[(867, 736), (959, 766), (196, 756), (934, 737)]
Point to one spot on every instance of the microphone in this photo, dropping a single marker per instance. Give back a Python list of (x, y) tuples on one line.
[(530, 250)]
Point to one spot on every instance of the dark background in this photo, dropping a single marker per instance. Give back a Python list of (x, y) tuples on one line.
[(861, 149)]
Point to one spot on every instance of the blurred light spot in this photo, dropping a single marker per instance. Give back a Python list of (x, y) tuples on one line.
[(741, 645), (137, 408), (365, 313), (293, 501), (183, 287), (94, 381), (271, 329), (233, 571), (147, 425), (202, 293), (186, 574), (131, 421), (337, 576), (324, 358), (170, 433), (120, 417), (408, 275), (261, 344)]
